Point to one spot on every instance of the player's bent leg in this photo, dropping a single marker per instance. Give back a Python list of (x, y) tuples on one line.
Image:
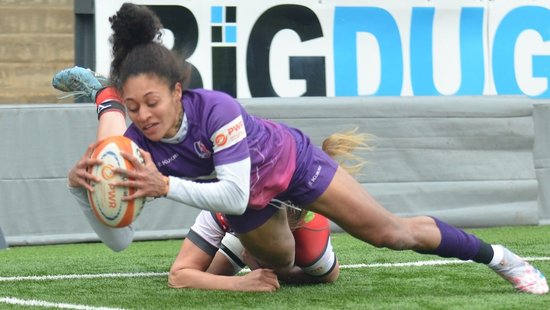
[(229, 259), (110, 124), (314, 253), (93, 86), (351, 207), (332, 276), (312, 238), (272, 243)]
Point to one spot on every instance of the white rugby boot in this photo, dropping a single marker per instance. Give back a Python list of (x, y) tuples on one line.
[(523, 276)]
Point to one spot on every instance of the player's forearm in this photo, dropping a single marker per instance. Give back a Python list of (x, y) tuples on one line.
[(192, 278), (222, 196), (228, 195)]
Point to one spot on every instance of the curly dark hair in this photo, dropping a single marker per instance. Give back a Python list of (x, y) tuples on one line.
[(137, 48)]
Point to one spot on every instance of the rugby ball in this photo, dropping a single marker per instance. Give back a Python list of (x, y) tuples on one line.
[(106, 199)]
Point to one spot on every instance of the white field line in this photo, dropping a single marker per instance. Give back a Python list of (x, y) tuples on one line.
[(158, 274), (83, 276), (428, 263), (47, 304)]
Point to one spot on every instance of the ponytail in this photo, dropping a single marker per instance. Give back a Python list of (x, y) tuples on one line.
[(341, 145), (137, 48)]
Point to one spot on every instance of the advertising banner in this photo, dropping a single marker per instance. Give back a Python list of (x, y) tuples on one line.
[(353, 47)]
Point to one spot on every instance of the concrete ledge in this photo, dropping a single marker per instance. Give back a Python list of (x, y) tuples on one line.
[(467, 160)]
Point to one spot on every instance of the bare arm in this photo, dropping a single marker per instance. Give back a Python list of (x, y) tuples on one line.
[(189, 271), (221, 265), (297, 275)]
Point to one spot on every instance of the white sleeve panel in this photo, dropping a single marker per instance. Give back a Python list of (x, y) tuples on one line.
[(117, 239), (228, 195), (208, 228)]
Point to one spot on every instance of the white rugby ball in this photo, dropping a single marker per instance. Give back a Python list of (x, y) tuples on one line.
[(106, 199)]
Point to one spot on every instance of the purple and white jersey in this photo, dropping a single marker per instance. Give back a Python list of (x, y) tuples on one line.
[(220, 132)]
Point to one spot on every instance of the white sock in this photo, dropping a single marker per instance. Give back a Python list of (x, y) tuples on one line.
[(498, 251)]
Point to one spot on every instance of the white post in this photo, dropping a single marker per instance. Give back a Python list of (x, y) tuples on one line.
[(3, 243), (541, 158)]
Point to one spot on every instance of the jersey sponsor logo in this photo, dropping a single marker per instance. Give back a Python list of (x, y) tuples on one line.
[(202, 150), (229, 135), (220, 140), (315, 176), (167, 161)]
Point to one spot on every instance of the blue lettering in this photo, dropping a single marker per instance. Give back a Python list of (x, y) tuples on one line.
[(348, 21), (471, 52), (512, 25)]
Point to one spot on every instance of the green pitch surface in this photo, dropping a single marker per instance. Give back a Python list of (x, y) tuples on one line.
[(89, 276)]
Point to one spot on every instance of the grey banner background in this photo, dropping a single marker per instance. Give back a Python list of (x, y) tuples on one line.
[(472, 161)]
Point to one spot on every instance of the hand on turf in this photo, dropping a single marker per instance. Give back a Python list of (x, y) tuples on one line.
[(79, 175), (259, 280), (145, 177)]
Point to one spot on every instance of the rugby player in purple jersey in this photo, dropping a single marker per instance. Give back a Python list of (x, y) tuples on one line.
[(203, 150)]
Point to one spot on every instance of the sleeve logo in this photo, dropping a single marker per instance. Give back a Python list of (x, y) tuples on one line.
[(220, 140), (229, 135)]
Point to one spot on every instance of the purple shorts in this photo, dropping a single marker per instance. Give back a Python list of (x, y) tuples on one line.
[(314, 172), (250, 219)]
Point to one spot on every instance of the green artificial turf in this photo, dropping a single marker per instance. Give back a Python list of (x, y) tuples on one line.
[(361, 285)]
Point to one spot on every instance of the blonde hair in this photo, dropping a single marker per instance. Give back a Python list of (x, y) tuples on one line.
[(342, 145)]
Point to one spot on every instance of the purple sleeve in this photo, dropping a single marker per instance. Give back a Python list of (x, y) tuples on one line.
[(225, 129)]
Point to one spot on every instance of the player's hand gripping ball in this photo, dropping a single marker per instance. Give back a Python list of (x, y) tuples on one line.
[(106, 199)]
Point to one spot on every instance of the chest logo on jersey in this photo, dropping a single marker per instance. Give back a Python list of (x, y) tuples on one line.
[(202, 150), (229, 135), (167, 161)]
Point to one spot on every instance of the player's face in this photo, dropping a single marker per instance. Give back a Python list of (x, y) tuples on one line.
[(152, 106)]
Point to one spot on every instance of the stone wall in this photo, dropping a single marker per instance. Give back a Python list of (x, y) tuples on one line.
[(36, 40)]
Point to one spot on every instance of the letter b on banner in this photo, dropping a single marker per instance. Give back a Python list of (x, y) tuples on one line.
[(183, 25)]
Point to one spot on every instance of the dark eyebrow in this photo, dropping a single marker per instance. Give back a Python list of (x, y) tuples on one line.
[(152, 92)]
